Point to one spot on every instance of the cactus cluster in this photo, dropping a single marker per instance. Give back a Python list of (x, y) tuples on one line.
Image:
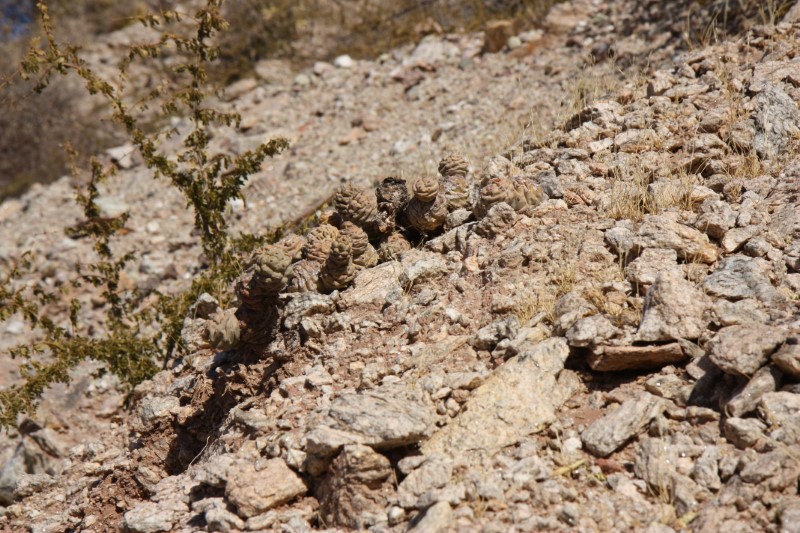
[(364, 229)]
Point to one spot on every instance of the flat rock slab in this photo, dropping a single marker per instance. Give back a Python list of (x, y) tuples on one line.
[(606, 435), (518, 399), (376, 419), (617, 358), (255, 490)]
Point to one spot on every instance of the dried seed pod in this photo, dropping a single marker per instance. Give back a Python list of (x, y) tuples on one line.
[(394, 245), (305, 276), (392, 195), (357, 237), (294, 245), (453, 165), (319, 241), (427, 217), (368, 258), (426, 189), (338, 271), (223, 330), (355, 205)]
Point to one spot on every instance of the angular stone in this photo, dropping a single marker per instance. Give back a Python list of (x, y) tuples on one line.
[(372, 286), (673, 309), (437, 518), (738, 277), (618, 358), (152, 517), (746, 311), (743, 432), (661, 231), (776, 119), (612, 431), (590, 331), (741, 350), (518, 399), (377, 419), (254, 491), (434, 473), (355, 491), (766, 379), (735, 238), (706, 469), (644, 269), (787, 358), (776, 407), (716, 217)]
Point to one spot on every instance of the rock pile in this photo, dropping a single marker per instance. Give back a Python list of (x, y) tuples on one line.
[(598, 332)]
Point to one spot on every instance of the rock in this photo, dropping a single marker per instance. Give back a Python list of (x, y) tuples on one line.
[(716, 217), (256, 489), (789, 516), (777, 407), (496, 35), (766, 379), (489, 336), (744, 433), (738, 277), (644, 269), (741, 350), (152, 517), (607, 434), (437, 518), (706, 469), (661, 231), (746, 311), (373, 286), (618, 358), (125, 156), (507, 407), (378, 419), (569, 309), (778, 469), (673, 309), (667, 386), (620, 238), (590, 331), (434, 473), (419, 265), (344, 61), (655, 463), (787, 358), (735, 238), (776, 120), (354, 493)]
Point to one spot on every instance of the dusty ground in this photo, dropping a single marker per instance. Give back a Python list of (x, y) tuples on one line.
[(602, 336)]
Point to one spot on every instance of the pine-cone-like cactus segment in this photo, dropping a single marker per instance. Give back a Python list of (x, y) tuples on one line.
[(319, 241), (355, 205), (223, 330), (294, 245), (357, 237), (394, 245), (305, 276), (368, 258), (426, 189), (453, 165), (338, 271)]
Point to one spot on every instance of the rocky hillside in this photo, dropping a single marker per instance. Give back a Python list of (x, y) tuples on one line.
[(557, 290)]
